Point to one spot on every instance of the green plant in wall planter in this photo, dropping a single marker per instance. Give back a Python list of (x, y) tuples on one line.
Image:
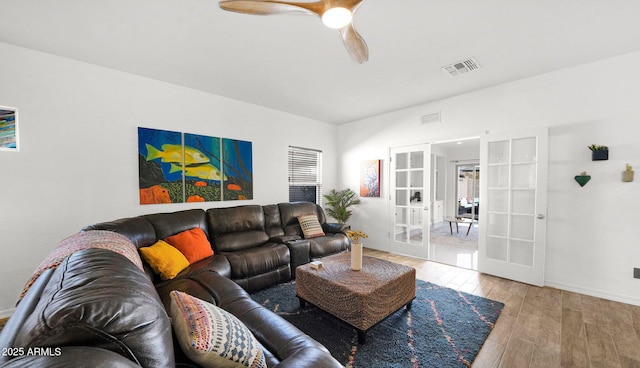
[(627, 175), (338, 203), (583, 178), (599, 153)]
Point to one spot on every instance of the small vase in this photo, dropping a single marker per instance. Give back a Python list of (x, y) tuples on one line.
[(627, 176), (356, 256)]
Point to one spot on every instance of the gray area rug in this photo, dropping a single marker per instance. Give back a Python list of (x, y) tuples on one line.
[(444, 329)]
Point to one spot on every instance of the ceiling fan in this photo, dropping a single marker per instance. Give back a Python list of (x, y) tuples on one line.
[(335, 14)]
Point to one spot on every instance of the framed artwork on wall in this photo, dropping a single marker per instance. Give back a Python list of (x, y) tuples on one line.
[(177, 167), (370, 178), (202, 178), (160, 166), (8, 129), (238, 169)]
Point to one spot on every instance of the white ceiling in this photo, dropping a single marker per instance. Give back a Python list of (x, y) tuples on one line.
[(294, 64)]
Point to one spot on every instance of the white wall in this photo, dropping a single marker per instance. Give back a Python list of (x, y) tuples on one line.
[(78, 160), (591, 243)]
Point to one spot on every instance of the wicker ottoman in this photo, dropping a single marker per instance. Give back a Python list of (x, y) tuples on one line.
[(360, 298)]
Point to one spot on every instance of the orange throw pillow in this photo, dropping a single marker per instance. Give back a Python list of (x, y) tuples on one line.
[(192, 243)]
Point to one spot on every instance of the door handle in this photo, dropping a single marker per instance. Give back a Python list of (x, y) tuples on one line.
[(540, 216)]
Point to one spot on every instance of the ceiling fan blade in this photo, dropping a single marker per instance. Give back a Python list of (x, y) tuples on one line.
[(268, 7), (355, 44), (347, 4)]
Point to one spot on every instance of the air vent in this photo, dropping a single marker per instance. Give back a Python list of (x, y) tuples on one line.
[(430, 118), (461, 67)]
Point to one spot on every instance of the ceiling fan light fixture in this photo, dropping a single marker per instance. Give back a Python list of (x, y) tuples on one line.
[(336, 18)]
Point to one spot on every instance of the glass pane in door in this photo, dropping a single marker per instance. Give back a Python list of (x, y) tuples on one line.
[(417, 160)]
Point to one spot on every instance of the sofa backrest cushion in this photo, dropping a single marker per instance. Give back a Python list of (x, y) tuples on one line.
[(272, 224), (137, 229), (99, 298), (236, 228), (167, 224), (289, 213)]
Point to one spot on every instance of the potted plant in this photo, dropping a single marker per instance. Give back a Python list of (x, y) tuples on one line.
[(599, 153), (627, 175), (338, 202), (356, 248)]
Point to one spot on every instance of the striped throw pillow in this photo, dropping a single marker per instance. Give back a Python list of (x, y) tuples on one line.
[(310, 225), (213, 337)]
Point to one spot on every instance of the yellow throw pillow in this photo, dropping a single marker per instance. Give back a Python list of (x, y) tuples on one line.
[(165, 260)]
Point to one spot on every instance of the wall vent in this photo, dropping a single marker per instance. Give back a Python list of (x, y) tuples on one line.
[(461, 67), (431, 118)]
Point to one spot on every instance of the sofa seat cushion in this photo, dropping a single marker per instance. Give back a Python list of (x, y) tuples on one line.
[(216, 263), (255, 261), (329, 244), (99, 298), (213, 337), (283, 344)]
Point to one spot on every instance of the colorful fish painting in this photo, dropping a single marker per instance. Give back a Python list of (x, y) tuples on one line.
[(176, 167)]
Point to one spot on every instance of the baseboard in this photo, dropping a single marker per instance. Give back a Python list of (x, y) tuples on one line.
[(6, 313), (596, 293)]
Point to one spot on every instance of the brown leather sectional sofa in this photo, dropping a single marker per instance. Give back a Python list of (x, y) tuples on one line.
[(98, 308)]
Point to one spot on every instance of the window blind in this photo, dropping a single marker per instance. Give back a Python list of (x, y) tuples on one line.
[(305, 174)]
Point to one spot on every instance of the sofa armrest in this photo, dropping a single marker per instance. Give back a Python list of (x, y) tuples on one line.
[(72, 356), (332, 227), (23, 311), (284, 239), (299, 252)]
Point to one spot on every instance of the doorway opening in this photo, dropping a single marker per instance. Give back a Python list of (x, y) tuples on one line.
[(455, 222)]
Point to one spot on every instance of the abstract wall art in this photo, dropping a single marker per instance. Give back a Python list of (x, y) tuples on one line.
[(370, 178), (8, 129)]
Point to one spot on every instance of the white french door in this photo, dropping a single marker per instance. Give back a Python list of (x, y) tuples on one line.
[(410, 168), (513, 188)]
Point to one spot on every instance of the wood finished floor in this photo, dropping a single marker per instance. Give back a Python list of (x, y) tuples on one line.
[(542, 327)]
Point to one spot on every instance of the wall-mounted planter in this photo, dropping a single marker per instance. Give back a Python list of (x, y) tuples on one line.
[(600, 155), (583, 178)]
